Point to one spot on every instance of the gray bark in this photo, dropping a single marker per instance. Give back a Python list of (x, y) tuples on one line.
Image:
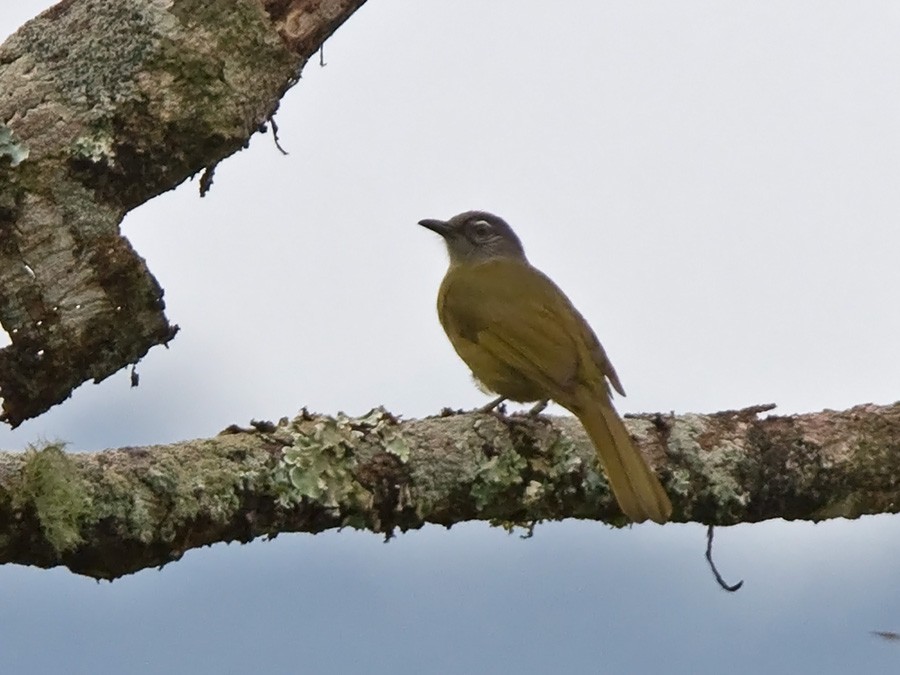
[(110, 513), (103, 105)]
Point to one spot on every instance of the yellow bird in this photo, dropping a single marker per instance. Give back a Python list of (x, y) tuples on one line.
[(523, 339)]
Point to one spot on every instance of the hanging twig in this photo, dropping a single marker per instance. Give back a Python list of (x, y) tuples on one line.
[(712, 565)]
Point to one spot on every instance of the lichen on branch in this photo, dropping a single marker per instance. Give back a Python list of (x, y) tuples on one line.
[(111, 513)]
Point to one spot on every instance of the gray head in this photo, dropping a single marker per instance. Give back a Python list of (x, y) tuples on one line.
[(476, 236)]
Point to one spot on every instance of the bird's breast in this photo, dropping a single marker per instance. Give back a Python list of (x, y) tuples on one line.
[(489, 312)]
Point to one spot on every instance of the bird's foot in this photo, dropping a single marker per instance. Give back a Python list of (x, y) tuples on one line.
[(538, 408), (490, 407)]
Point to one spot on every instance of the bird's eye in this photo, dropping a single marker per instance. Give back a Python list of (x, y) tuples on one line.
[(481, 230)]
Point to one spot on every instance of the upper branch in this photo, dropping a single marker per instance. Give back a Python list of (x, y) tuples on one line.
[(103, 105)]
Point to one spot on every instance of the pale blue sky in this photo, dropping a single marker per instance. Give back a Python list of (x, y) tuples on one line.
[(714, 184)]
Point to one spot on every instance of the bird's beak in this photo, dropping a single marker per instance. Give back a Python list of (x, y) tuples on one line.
[(439, 226)]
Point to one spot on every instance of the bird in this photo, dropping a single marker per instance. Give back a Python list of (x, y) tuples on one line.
[(524, 340)]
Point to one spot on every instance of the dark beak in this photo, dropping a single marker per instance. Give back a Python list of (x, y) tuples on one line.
[(439, 226)]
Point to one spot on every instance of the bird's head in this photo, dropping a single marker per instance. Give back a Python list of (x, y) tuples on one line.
[(477, 236)]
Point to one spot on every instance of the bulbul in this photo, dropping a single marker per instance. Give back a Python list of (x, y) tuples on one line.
[(524, 340)]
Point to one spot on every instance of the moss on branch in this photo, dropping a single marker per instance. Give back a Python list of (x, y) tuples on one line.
[(110, 513)]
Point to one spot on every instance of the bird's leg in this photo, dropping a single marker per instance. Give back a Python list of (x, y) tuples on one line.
[(538, 408), (489, 407)]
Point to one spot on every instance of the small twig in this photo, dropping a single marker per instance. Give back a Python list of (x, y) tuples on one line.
[(206, 180), (712, 565), (747, 413), (761, 408), (275, 136), (529, 530)]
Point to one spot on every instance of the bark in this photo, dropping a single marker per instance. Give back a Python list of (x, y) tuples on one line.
[(103, 105), (110, 513)]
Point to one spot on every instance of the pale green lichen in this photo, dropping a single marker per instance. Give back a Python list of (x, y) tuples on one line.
[(121, 496), (11, 148), (98, 69), (206, 487), (96, 147), (561, 459), (496, 476), (326, 457), (194, 480), (534, 493), (225, 49), (52, 487), (384, 425), (320, 469), (680, 482), (319, 464), (499, 472), (398, 447), (710, 474)]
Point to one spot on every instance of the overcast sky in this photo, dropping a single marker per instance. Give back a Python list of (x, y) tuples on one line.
[(714, 184)]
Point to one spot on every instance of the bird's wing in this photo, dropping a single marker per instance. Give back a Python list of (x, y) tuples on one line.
[(516, 316), (598, 354), (527, 323)]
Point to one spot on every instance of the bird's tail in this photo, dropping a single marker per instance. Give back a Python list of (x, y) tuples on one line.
[(635, 486)]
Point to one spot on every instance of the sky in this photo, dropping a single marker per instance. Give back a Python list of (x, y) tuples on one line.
[(713, 184)]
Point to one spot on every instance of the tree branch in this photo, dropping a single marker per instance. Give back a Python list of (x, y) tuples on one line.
[(104, 105), (111, 513)]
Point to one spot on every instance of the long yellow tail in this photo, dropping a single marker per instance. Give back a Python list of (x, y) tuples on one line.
[(635, 486)]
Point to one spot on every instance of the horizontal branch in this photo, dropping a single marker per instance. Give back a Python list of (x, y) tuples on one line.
[(110, 513)]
